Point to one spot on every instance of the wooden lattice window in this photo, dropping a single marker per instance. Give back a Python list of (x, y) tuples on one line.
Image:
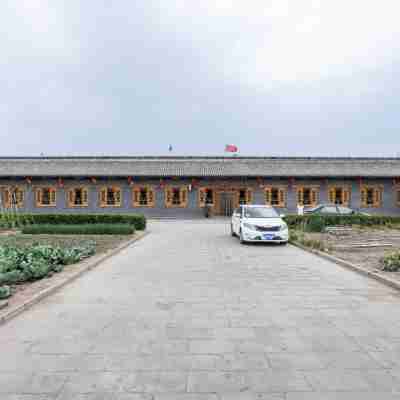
[(46, 197), (371, 196), (17, 197), (176, 196), (5, 198), (275, 196), (110, 196), (143, 196), (339, 195), (307, 196), (12, 197), (245, 196), (78, 197), (206, 196)]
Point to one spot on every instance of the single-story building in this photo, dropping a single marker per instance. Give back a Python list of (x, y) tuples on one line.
[(183, 186)]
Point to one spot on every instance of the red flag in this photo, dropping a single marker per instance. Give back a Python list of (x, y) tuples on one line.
[(231, 148)]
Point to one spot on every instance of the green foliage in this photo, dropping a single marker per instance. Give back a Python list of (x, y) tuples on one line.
[(87, 229), (5, 291), (11, 219), (138, 221), (297, 221), (391, 262), (38, 261), (315, 223)]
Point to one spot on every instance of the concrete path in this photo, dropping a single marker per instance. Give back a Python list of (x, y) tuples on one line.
[(190, 314)]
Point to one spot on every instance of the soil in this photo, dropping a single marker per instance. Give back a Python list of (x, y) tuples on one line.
[(365, 257)]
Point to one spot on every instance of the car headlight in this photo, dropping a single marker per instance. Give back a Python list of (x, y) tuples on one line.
[(284, 227), (249, 226)]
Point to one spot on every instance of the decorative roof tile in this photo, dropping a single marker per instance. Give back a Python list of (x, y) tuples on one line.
[(200, 166)]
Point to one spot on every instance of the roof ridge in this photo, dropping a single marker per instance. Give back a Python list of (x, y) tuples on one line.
[(172, 158)]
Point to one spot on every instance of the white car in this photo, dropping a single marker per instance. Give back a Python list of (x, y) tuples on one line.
[(259, 224)]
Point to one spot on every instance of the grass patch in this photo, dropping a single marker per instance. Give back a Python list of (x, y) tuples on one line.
[(87, 229)]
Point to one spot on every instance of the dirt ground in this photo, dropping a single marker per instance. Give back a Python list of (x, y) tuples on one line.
[(103, 242), (368, 257)]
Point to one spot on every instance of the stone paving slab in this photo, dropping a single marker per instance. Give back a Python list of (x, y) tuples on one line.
[(190, 314)]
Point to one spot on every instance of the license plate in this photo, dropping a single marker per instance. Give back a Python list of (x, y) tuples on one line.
[(268, 237)]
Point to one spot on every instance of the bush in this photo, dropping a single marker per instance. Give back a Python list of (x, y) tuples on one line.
[(138, 221), (295, 221), (5, 292), (315, 223), (391, 262), (88, 229)]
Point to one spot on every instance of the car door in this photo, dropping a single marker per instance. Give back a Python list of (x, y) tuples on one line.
[(236, 220)]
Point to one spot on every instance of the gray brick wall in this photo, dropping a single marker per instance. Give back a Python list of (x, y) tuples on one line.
[(389, 200)]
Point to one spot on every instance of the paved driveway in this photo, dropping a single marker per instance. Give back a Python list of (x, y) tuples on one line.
[(189, 314)]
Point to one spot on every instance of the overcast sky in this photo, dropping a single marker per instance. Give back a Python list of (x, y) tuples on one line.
[(274, 77)]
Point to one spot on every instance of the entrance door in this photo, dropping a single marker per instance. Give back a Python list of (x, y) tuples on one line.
[(226, 203)]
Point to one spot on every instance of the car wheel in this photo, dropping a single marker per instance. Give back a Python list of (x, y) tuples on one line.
[(232, 231)]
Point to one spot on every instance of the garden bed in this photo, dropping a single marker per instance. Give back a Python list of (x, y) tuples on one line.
[(27, 289), (361, 246)]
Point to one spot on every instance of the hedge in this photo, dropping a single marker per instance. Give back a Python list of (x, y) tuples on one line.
[(294, 221), (138, 221), (84, 229)]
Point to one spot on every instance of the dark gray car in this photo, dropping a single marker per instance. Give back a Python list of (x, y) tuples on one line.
[(333, 209)]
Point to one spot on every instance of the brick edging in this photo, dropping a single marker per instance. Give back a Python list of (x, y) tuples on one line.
[(91, 262), (346, 264)]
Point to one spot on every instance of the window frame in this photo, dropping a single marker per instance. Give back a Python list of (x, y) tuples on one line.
[(248, 196), (6, 193), (377, 196), (150, 196), (314, 192), (183, 196), (345, 195), (202, 196), (52, 195), (104, 202), (397, 196), (282, 196), (72, 190)]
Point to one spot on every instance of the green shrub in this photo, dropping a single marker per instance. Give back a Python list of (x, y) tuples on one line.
[(391, 262), (298, 221), (88, 229), (138, 221), (315, 223), (5, 291)]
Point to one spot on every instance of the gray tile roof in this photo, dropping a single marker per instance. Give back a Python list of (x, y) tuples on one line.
[(200, 166)]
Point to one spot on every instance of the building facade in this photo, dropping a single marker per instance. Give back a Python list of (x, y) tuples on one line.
[(183, 186)]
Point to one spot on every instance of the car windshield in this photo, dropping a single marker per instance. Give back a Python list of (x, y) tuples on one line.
[(260, 212)]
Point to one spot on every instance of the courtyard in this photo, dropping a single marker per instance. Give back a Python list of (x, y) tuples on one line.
[(187, 313)]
